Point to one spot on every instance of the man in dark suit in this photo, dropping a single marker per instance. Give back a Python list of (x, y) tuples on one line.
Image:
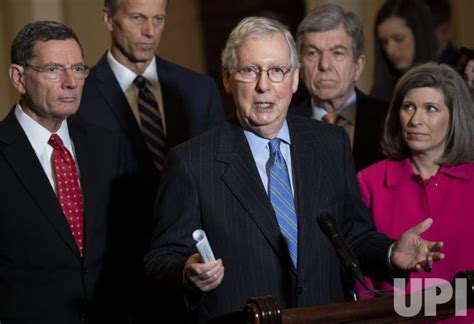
[(185, 104), (54, 225), (259, 204), (188, 103), (331, 46)]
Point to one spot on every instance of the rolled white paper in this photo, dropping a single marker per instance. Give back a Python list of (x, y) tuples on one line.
[(202, 244)]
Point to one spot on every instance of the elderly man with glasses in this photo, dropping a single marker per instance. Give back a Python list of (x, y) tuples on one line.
[(56, 189), (257, 186)]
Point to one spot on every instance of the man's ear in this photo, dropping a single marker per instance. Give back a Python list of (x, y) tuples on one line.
[(296, 79), (17, 73), (360, 64), (226, 81), (108, 19)]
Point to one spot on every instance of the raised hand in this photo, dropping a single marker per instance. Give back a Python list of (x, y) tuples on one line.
[(412, 253)]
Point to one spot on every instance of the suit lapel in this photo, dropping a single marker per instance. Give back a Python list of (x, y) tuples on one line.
[(242, 178), (110, 90), (361, 119), (175, 116), (307, 174), (22, 159)]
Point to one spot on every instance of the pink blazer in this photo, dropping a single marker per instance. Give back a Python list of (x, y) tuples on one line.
[(400, 199)]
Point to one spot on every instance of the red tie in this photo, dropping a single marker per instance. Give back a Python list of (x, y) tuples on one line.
[(67, 188)]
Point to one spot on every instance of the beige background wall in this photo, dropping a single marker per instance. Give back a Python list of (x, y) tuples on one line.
[(182, 39), (181, 42)]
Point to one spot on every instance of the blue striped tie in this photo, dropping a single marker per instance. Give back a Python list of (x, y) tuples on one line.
[(152, 123), (281, 196)]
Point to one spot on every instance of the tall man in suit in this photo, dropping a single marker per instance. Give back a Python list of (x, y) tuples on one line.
[(185, 104), (257, 185), (188, 103), (331, 46), (56, 189)]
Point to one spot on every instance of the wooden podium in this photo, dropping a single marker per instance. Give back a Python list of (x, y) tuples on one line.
[(265, 310)]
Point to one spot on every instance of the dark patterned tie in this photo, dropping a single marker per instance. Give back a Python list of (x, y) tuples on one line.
[(281, 197), (67, 189), (152, 123)]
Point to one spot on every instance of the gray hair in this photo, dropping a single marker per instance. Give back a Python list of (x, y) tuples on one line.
[(23, 46), (460, 139), (253, 27), (329, 17)]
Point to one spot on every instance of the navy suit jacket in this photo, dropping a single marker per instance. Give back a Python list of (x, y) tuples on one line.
[(216, 182), (191, 102), (42, 275), (370, 117), (192, 105)]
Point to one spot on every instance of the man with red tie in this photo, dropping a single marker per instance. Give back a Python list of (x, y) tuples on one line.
[(57, 175)]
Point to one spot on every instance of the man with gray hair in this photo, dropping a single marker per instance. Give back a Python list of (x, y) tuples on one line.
[(57, 174), (331, 46), (257, 185)]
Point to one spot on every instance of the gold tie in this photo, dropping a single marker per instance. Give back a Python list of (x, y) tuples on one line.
[(331, 118)]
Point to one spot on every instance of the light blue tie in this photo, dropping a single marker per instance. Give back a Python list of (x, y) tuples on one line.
[(281, 197)]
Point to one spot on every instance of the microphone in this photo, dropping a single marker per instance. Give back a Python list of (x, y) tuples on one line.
[(327, 223)]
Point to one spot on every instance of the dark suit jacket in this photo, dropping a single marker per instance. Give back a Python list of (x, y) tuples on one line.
[(191, 102), (211, 182), (42, 275), (192, 105), (370, 117)]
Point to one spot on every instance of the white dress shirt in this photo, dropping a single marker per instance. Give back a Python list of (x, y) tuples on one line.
[(125, 78), (38, 137)]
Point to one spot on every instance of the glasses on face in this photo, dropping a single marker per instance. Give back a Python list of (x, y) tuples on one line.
[(251, 73), (55, 72)]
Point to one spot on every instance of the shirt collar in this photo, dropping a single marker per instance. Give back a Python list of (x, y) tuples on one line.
[(398, 170), (460, 171), (37, 134), (260, 143), (319, 112), (125, 76)]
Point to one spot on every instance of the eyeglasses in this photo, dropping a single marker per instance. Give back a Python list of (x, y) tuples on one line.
[(55, 72), (251, 73)]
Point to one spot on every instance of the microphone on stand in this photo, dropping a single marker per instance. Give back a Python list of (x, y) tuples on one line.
[(327, 223)]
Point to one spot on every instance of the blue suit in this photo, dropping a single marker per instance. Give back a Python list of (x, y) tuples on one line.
[(192, 105), (191, 102)]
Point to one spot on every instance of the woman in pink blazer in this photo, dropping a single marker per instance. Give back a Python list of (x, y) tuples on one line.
[(429, 142)]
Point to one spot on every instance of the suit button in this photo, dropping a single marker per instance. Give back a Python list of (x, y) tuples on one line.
[(85, 270), (299, 290)]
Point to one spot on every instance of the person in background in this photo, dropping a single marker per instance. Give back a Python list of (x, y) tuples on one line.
[(154, 104), (330, 42), (57, 187), (446, 51), (405, 36), (429, 170), (257, 185), (468, 69)]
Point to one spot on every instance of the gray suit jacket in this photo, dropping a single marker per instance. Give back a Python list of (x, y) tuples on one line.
[(211, 182)]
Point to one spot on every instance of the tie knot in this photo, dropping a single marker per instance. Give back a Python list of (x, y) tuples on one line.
[(55, 141), (274, 145), (140, 82), (331, 118)]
